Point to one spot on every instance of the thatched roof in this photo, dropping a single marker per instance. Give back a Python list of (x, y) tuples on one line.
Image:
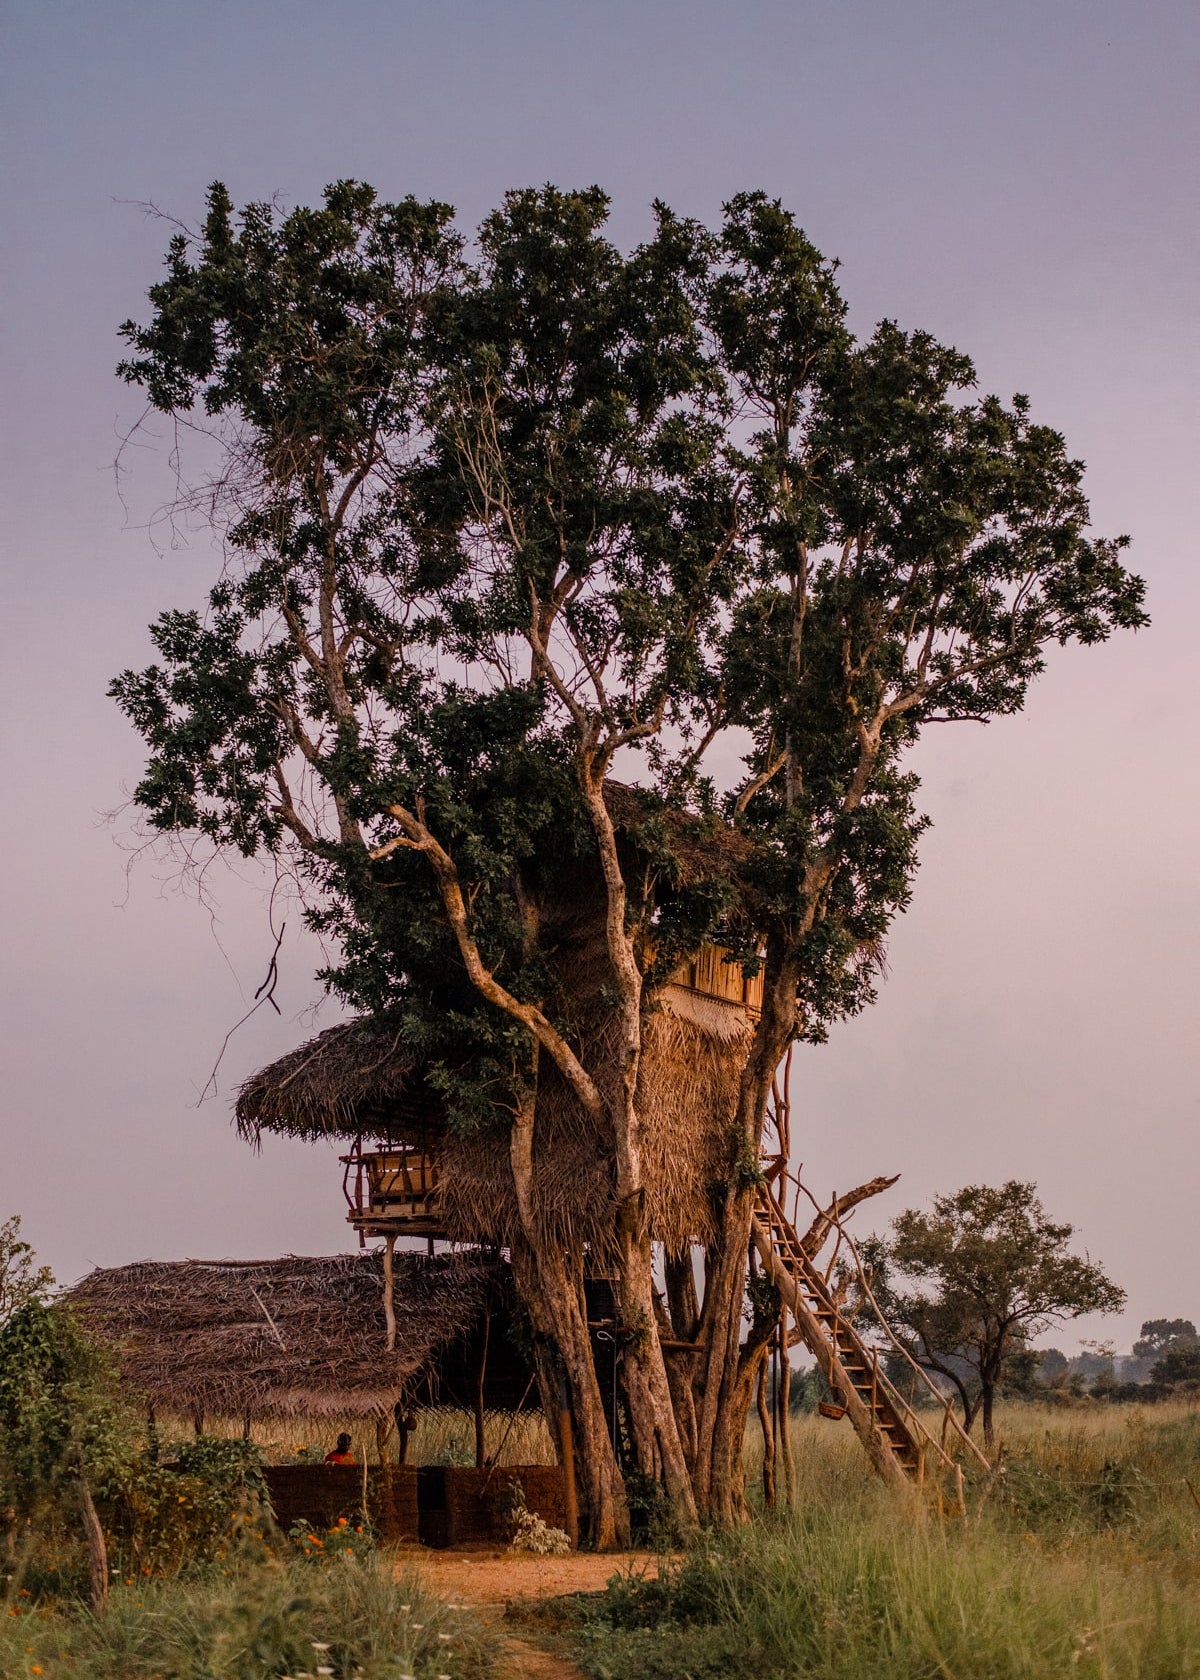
[(297, 1336), (348, 1079)]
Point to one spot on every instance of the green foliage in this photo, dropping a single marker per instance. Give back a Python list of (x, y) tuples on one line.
[(175, 1507), (492, 524), (58, 1416), (1037, 1494), (63, 1419), (22, 1280), (1179, 1366)]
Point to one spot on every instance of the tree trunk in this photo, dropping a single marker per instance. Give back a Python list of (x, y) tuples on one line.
[(987, 1398), (556, 1311), (762, 1401), (724, 1408), (97, 1549), (783, 1411), (647, 1388)]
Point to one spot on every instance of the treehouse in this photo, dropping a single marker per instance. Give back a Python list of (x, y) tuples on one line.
[(393, 1192), (407, 1175)]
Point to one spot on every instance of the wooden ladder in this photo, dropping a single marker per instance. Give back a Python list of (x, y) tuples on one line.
[(900, 1448)]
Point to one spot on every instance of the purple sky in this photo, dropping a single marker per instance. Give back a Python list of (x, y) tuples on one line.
[(1019, 179)]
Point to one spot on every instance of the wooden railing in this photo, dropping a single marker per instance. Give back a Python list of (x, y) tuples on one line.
[(394, 1186)]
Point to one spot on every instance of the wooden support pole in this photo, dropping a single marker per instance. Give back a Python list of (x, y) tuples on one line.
[(783, 1427), (389, 1296), (566, 1442), (768, 1434), (97, 1549), (487, 1330)]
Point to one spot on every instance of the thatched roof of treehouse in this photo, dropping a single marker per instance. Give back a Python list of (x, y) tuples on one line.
[(360, 1079), (302, 1336), (693, 1051)]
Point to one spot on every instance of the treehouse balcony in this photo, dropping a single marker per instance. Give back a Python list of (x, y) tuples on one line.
[(393, 1191)]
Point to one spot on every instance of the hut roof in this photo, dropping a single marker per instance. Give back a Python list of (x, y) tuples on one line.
[(299, 1336), (347, 1079)]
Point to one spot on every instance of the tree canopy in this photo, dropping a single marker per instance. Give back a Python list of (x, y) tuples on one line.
[(21, 1278), (490, 520)]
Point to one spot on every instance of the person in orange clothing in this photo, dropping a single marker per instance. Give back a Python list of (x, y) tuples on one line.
[(341, 1453)]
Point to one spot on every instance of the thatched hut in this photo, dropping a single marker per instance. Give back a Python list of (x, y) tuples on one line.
[(304, 1336)]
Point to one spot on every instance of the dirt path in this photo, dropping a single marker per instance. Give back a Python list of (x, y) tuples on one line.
[(492, 1581)]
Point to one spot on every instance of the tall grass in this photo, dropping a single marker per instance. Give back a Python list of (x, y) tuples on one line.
[(258, 1623), (443, 1435), (1081, 1559)]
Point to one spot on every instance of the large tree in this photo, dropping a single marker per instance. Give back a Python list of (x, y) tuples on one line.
[(971, 1283), (504, 525)]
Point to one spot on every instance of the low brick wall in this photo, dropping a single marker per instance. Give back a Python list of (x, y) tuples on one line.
[(477, 1501), (322, 1493), (440, 1506)]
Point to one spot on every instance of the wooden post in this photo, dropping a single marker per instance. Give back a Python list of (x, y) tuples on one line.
[(487, 1330), (97, 1549), (566, 1442), (404, 1428), (783, 1427), (389, 1301), (768, 1434)]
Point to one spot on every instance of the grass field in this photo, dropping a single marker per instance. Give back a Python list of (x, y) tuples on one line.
[(443, 1435), (257, 1622), (1083, 1559)]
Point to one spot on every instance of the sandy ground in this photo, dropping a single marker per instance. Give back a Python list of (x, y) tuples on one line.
[(492, 1580)]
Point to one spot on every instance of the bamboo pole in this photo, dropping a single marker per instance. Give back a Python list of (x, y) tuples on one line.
[(487, 1330), (389, 1298)]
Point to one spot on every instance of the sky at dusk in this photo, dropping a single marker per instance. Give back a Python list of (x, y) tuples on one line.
[(1020, 179)]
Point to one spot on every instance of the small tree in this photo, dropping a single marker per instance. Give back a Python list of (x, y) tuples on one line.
[(59, 1431), (997, 1273), (21, 1280), (1179, 1366)]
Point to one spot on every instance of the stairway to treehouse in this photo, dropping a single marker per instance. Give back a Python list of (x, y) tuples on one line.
[(900, 1448)]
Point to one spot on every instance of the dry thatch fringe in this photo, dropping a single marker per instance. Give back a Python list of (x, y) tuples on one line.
[(299, 1336), (357, 1080), (348, 1078)]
